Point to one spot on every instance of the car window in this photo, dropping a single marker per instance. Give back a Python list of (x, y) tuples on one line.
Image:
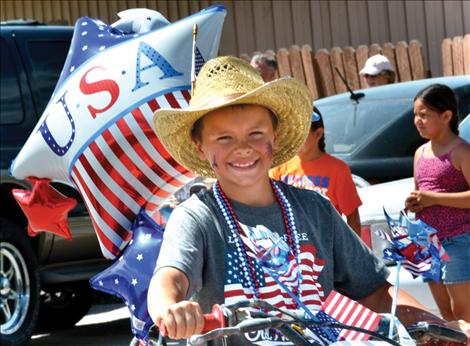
[(11, 108), (350, 125), (47, 61)]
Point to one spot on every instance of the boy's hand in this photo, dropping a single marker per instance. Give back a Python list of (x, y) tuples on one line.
[(180, 320)]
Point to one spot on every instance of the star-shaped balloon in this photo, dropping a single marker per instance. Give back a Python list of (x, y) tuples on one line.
[(415, 244), (97, 129), (45, 208), (129, 277)]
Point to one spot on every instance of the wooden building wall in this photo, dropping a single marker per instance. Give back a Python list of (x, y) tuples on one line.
[(269, 24)]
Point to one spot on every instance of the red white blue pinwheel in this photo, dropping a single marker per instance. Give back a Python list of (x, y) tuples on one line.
[(96, 132), (129, 277), (415, 246)]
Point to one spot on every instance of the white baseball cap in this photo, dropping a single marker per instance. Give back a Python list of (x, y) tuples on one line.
[(376, 64)]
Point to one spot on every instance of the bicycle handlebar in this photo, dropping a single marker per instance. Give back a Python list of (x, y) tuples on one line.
[(229, 320), (425, 332)]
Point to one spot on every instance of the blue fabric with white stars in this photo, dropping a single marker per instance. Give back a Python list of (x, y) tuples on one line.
[(129, 277), (90, 37)]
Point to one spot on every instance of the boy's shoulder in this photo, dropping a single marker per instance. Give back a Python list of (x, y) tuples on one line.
[(197, 204), (336, 163)]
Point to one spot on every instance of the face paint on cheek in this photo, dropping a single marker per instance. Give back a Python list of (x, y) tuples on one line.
[(269, 150), (214, 162)]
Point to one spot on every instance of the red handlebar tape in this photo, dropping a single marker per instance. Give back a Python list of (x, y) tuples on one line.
[(214, 320)]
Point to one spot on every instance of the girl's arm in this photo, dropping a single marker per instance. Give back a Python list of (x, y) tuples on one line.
[(166, 304), (411, 202)]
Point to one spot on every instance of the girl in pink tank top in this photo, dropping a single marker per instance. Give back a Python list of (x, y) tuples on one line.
[(442, 195)]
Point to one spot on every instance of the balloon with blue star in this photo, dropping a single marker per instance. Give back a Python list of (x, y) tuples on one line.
[(415, 244), (129, 277)]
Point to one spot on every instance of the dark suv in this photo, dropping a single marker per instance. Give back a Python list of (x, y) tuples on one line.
[(43, 280)]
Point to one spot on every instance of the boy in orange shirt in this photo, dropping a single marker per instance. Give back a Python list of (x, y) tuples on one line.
[(314, 169)]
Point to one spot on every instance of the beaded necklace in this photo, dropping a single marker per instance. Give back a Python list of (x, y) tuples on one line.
[(236, 231)]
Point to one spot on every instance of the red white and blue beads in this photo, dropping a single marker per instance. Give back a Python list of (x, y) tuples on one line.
[(236, 230)]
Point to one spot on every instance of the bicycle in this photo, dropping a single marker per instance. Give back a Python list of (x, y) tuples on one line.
[(253, 315)]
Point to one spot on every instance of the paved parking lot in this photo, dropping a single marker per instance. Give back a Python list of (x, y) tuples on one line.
[(105, 325)]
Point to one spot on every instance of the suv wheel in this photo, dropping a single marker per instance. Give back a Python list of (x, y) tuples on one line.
[(63, 305), (19, 285)]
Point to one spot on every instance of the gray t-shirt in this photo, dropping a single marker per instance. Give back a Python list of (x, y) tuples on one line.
[(198, 242)]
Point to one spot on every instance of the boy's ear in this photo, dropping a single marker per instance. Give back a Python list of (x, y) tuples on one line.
[(276, 139), (199, 149), (319, 133)]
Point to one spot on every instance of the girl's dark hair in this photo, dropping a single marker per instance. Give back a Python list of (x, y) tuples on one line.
[(441, 98)]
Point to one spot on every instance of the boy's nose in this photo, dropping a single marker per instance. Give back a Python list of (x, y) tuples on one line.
[(243, 148)]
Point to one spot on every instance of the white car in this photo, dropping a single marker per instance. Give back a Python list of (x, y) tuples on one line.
[(391, 196)]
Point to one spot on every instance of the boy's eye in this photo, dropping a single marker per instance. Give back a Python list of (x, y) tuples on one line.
[(223, 138), (256, 134)]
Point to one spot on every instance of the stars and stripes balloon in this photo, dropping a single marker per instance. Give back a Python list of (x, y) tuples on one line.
[(129, 277), (415, 245), (96, 132)]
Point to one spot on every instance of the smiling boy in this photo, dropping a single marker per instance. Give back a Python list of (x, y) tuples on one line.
[(235, 129)]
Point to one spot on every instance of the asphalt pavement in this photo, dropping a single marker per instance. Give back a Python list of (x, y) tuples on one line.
[(104, 325)]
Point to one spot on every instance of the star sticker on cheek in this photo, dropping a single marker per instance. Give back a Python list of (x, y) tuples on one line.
[(45, 208)]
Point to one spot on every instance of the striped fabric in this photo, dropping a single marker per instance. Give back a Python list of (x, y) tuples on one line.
[(237, 287), (143, 174), (350, 312)]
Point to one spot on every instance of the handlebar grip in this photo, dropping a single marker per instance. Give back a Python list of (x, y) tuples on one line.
[(216, 319)]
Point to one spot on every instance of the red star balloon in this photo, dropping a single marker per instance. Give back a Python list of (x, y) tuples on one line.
[(45, 208)]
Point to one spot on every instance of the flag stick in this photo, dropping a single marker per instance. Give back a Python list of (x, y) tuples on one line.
[(301, 305), (394, 301), (193, 62)]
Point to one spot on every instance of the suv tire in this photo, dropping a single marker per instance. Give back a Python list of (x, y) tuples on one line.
[(19, 285), (63, 305)]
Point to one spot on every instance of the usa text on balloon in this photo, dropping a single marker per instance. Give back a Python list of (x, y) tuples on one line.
[(96, 131)]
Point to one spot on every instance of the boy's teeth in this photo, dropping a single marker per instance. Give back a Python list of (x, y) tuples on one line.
[(242, 164)]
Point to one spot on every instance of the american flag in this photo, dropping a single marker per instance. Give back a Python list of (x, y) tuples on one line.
[(125, 168), (198, 61), (350, 312), (237, 287)]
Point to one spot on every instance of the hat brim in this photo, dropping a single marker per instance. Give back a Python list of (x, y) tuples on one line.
[(370, 70), (287, 98)]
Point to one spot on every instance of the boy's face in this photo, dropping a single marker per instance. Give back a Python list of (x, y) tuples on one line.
[(238, 142), (311, 143)]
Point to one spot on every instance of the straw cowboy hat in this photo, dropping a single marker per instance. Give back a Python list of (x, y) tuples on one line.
[(226, 81)]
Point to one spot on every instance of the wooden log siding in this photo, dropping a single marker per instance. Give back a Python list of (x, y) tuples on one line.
[(318, 70), (456, 56)]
